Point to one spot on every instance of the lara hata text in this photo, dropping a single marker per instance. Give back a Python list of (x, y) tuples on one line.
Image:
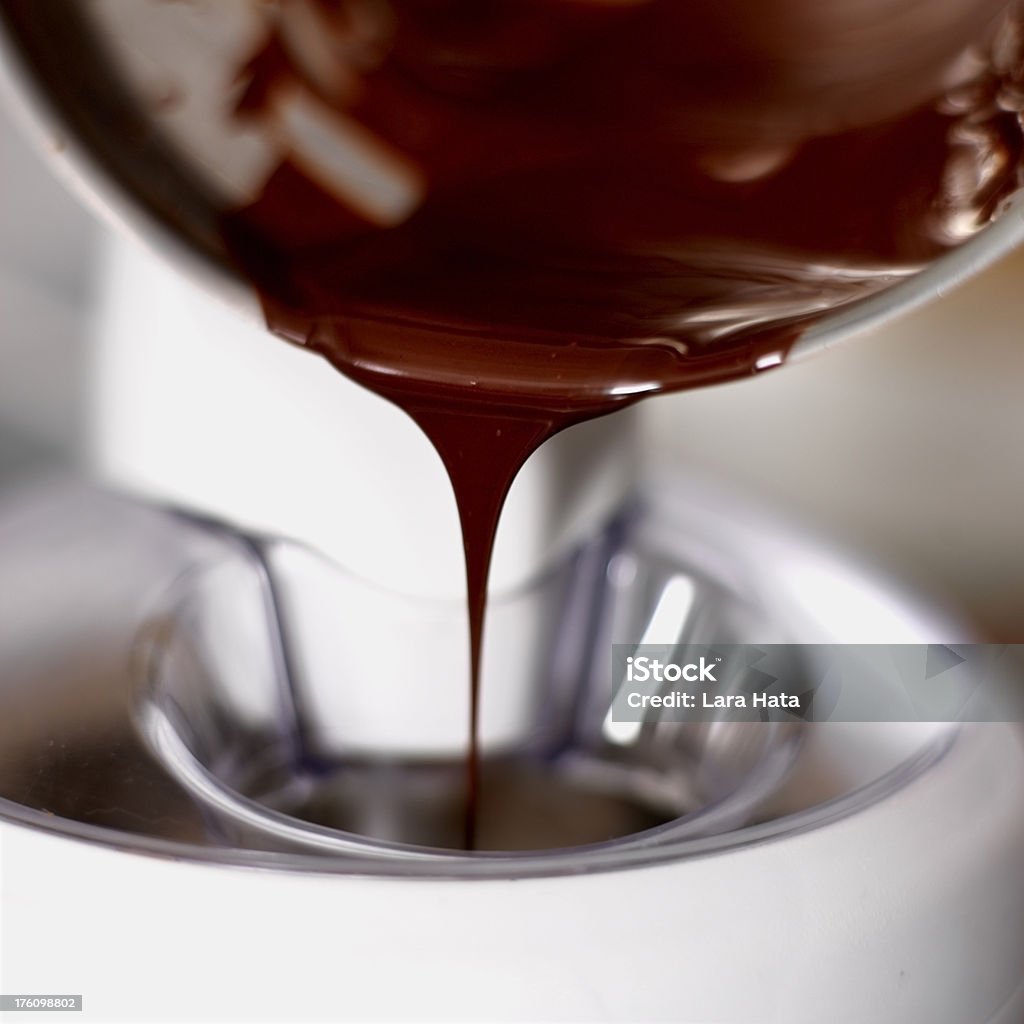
[(679, 699)]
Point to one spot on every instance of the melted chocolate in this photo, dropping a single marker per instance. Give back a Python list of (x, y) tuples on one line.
[(597, 201)]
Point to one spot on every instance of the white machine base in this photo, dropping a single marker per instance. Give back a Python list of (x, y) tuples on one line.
[(910, 912)]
